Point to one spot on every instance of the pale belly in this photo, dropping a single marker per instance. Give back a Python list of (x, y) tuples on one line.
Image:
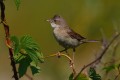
[(65, 40)]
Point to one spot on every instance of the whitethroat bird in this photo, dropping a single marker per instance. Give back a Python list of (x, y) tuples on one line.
[(65, 36)]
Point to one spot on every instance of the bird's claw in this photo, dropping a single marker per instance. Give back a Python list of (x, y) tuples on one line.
[(58, 54)]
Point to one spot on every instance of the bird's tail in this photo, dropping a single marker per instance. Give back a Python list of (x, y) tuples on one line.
[(88, 41)]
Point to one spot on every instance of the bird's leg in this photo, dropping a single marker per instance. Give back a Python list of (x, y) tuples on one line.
[(73, 57), (63, 50)]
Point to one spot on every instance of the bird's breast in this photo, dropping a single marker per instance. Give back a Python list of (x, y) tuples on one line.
[(64, 38), (60, 34)]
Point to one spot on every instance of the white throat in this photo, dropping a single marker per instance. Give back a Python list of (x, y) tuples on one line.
[(54, 25)]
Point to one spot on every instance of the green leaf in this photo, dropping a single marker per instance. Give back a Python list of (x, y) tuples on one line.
[(34, 68), (17, 3), (16, 44), (18, 58), (40, 56), (31, 49), (28, 47), (71, 77), (110, 68), (24, 64), (93, 75), (26, 54), (32, 55), (28, 43)]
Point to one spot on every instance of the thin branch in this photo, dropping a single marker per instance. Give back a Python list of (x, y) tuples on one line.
[(115, 48), (114, 53), (102, 54), (8, 41), (117, 76), (118, 73), (68, 57)]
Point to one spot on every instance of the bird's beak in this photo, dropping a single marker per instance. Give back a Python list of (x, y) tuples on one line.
[(48, 20)]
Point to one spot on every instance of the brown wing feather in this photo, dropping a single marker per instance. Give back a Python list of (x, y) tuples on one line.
[(75, 35)]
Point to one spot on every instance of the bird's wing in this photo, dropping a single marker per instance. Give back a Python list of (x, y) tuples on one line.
[(75, 35)]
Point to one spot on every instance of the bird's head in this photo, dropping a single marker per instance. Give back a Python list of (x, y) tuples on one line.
[(57, 21)]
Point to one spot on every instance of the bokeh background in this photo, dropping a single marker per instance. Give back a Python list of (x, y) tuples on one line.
[(87, 17)]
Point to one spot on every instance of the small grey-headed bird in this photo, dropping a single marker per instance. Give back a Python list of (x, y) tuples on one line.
[(65, 36)]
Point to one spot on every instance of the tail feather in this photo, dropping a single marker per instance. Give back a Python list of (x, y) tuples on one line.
[(92, 41), (88, 41)]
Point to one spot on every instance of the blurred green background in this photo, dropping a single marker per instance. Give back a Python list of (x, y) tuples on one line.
[(86, 17)]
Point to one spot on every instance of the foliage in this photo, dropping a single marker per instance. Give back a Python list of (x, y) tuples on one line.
[(26, 54), (93, 75), (111, 67), (17, 3)]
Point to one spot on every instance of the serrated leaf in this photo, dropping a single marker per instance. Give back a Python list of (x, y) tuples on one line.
[(32, 55), (18, 58), (16, 44), (40, 56), (31, 49), (17, 3), (93, 75), (24, 64), (110, 68), (28, 43), (34, 68), (26, 51)]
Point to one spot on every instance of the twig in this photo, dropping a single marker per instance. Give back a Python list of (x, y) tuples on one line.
[(114, 53), (102, 54), (118, 73), (68, 57), (8, 41), (115, 48), (117, 76)]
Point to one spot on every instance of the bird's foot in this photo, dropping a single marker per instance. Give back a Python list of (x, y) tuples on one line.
[(63, 50), (58, 54)]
